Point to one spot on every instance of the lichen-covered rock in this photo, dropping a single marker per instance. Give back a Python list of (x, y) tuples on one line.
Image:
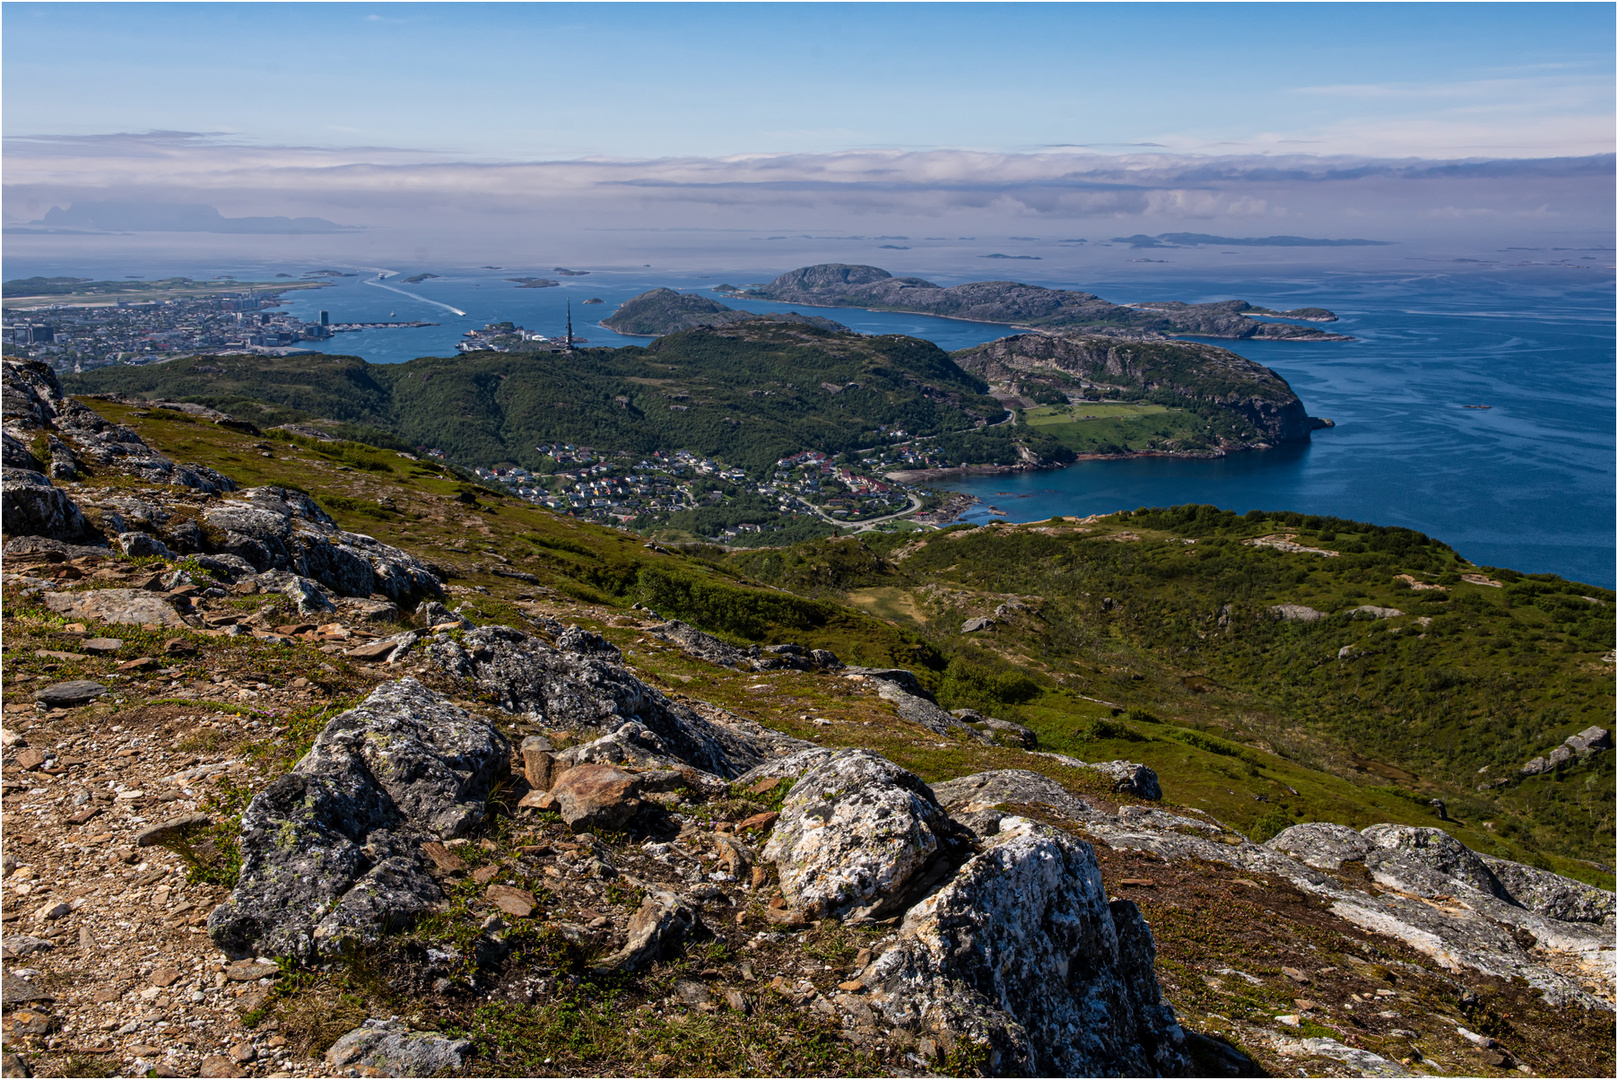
[(330, 852), (1022, 954), (1434, 850), (1321, 844), (971, 795), (702, 646), (854, 833), (278, 529), (129, 606), (584, 691), (390, 1048), (1552, 895)]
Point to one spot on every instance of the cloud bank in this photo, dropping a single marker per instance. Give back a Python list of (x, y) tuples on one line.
[(1050, 194)]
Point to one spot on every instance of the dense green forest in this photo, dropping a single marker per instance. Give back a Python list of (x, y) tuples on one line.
[(747, 396)]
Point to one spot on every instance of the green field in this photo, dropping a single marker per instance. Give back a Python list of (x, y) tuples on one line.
[(1112, 429)]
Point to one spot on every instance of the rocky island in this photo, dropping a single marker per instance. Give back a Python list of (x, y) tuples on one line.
[(664, 311), (1013, 303)]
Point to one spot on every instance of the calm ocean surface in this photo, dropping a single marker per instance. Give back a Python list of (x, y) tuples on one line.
[(1527, 483)]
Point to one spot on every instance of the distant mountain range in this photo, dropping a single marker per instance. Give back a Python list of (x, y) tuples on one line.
[(1192, 239), (166, 217)]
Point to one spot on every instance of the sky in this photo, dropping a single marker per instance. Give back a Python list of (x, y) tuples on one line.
[(494, 122)]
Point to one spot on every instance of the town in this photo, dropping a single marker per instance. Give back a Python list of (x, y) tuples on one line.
[(83, 337), (680, 491)]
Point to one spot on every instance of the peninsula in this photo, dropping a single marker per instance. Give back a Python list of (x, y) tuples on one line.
[(1034, 306)]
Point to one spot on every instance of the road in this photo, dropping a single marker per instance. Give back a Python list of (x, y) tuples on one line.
[(862, 526)]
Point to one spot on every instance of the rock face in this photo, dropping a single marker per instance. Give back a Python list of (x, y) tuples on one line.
[(390, 1048), (330, 851), (843, 285), (1021, 951), (766, 658), (1191, 371), (582, 691), (855, 831)]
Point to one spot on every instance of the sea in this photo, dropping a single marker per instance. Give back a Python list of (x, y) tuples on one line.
[(1475, 404)]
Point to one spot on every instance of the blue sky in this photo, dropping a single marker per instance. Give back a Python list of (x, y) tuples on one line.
[(526, 81)]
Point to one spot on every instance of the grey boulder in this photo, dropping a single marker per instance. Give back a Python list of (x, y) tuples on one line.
[(390, 1048), (854, 833)]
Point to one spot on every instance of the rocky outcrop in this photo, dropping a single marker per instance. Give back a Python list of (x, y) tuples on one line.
[(582, 691), (1022, 954), (330, 851), (186, 510), (278, 529), (706, 647), (1003, 731), (1252, 394), (843, 285), (1591, 740)]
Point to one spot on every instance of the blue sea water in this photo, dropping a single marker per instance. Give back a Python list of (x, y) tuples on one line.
[(1527, 483)]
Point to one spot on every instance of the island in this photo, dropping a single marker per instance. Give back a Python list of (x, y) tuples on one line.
[(565, 272), (534, 282), (1017, 304), (416, 279), (664, 311), (594, 300)]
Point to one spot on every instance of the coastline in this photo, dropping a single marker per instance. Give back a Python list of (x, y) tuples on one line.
[(922, 476)]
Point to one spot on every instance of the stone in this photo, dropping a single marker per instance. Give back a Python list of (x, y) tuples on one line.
[(538, 800), (25, 1022), (166, 976), (663, 921), (68, 694), (511, 900), (251, 971), (758, 822), (310, 598), (389, 1048), (1591, 738), (737, 1001), (442, 857), (13, 1065), (854, 832), (15, 990), (138, 545), (972, 799), (135, 607), (101, 645), (1021, 953), (702, 646), (243, 1053), (597, 796), (692, 992), (973, 626), (31, 506), (168, 831), (1376, 612), (383, 648), (1131, 778), (1296, 613), (539, 763), (331, 851), (921, 710), (24, 945), (217, 1065), (485, 874), (28, 759)]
